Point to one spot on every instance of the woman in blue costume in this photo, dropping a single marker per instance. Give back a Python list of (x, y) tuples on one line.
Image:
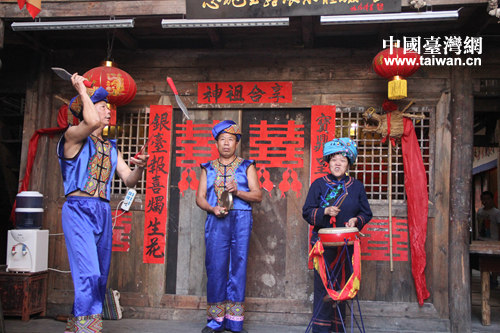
[(335, 200), (88, 163), (227, 230)]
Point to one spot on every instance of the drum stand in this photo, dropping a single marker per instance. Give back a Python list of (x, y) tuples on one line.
[(333, 276)]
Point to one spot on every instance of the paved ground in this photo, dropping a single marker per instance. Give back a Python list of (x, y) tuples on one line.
[(35, 325), (135, 326)]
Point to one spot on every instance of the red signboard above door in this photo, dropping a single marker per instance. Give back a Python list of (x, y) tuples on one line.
[(244, 92)]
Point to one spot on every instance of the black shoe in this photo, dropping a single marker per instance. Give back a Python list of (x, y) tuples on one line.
[(207, 329)]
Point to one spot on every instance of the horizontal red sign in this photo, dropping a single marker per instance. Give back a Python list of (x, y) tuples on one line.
[(244, 92)]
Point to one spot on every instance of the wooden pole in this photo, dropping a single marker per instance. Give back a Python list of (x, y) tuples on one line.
[(462, 115), (389, 178)]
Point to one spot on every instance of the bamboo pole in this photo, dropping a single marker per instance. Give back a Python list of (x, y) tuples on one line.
[(389, 177)]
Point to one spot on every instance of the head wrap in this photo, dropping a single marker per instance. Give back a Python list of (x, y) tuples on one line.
[(96, 95), (226, 126), (344, 146)]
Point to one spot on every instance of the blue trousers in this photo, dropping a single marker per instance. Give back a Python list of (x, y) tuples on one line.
[(227, 240), (87, 227)]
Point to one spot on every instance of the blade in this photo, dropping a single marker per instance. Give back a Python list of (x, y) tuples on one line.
[(62, 73), (182, 106), (65, 75)]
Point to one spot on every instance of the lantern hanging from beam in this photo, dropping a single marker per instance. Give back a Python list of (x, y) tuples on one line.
[(396, 64), (118, 83)]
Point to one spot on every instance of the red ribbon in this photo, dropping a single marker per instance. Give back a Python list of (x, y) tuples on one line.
[(393, 140)]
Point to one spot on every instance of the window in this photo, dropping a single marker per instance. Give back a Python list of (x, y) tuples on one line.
[(130, 135), (372, 166)]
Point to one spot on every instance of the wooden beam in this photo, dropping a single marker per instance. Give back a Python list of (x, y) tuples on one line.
[(406, 3), (215, 37), (308, 31), (460, 198), (97, 8), (126, 39)]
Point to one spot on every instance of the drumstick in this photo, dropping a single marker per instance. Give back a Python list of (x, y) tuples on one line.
[(333, 219), (342, 200), (142, 150)]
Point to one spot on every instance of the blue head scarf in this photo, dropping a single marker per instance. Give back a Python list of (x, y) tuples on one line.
[(344, 146), (96, 95), (226, 126)]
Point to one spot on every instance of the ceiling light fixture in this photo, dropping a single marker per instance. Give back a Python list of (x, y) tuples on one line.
[(224, 23), (391, 17), (72, 25)]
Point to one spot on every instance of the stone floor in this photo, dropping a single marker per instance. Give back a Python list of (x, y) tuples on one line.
[(48, 325)]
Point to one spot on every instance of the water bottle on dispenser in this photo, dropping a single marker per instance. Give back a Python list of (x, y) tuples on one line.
[(27, 245), (29, 210)]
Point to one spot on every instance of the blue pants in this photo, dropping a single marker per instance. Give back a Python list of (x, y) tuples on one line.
[(87, 227), (226, 241)]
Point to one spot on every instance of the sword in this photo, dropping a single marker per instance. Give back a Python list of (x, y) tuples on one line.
[(65, 75), (177, 98)]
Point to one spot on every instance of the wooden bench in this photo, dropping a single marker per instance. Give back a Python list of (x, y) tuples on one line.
[(489, 262)]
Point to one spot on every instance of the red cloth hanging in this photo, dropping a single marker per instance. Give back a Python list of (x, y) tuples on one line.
[(62, 121), (32, 6), (418, 206)]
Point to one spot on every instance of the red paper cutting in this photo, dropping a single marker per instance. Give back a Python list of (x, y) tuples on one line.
[(322, 130), (155, 222), (122, 226), (196, 146), (244, 92), (375, 245), (278, 146)]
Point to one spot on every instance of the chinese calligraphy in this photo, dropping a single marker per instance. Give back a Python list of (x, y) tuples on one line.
[(375, 246), (244, 92), (278, 146), (160, 125), (195, 146), (121, 231)]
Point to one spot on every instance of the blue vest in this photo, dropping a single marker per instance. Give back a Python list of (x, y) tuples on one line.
[(92, 168), (217, 174)]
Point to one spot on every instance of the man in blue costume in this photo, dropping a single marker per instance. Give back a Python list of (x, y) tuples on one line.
[(227, 229), (88, 163), (335, 200)]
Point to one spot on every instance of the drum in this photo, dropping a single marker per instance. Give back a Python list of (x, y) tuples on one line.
[(337, 236)]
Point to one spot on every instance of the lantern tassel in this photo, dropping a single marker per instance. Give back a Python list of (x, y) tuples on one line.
[(397, 88)]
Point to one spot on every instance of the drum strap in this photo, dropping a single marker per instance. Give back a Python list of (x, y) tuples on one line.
[(351, 287)]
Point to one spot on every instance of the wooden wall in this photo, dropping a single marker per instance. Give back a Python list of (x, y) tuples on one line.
[(339, 77)]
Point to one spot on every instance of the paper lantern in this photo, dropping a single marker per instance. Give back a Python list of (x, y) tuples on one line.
[(396, 65), (119, 84)]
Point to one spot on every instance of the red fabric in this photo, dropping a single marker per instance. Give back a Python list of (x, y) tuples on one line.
[(62, 121), (32, 6), (349, 289), (417, 201), (389, 106), (393, 141)]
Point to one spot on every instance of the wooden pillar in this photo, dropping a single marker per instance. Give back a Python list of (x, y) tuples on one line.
[(2, 35), (460, 199)]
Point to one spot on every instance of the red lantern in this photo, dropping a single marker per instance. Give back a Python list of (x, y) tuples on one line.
[(395, 65), (119, 84)]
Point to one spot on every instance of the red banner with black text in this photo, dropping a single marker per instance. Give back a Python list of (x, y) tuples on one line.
[(322, 131), (244, 92), (155, 223)]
